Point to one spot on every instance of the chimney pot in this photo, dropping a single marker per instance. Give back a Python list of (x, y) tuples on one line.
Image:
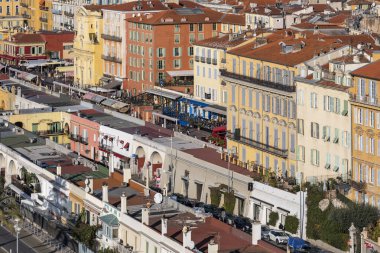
[(127, 175), (123, 203), (59, 170), (145, 216)]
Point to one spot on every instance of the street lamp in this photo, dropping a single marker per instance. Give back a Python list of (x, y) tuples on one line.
[(17, 229)]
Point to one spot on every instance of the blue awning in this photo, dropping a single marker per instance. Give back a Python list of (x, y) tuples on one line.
[(193, 102)]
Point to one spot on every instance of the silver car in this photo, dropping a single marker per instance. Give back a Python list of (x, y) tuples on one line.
[(278, 236)]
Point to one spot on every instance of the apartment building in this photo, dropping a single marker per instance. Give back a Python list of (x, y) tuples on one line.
[(160, 46), (88, 46), (365, 134), (37, 14), (209, 59), (115, 36)]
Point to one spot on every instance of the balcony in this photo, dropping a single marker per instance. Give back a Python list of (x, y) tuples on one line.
[(44, 8), (21, 185), (283, 153), (264, 83), (111, 58), (25, 15), (111, 37), (175, 83), (359, 186), (74, 137), (203, 59), (57, 12), (42, 19), (105, 147), (214, 61), (50, 132), (83, 140), (208, 60), (365, 100), (68, 14), (197, 58)]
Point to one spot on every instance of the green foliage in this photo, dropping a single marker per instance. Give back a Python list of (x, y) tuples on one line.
[(215, 196), (86, 234), (291, 224), (331, 225), (375, 233), (273, 218), (229, 201)]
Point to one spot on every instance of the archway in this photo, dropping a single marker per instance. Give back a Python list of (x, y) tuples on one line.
[(140, 152), (156, 163), (67, 128), (19, 124), (12, 168)]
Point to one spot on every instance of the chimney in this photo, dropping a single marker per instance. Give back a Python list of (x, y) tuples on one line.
[(187, 243), (105, 192), (164, 226), (127, 175), (212, 247), (19, 91), (59, 170), (123, 203), (256, 232), (145, 216)]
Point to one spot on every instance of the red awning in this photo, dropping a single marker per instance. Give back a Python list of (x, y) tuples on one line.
[(219, 129)]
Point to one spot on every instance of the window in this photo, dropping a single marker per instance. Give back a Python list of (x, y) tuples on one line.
[(176, 38), (243, 96), (160, 52), (300, 98), (161, 64), (336, 136), (8, 9), (233, 93), (214, 26), (191, 27), (176, 28), (177, 51), (371, 118), (313, 100), (300, 126), (326, 133), (200, 27), (292, 142), (371, 144), (200, 36), (315, 130), (315, 157), (177, 63), (301, 153), (192, 37), (250, 98), (328, 161)]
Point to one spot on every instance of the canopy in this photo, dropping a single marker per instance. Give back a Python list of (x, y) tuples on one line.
[(89, 96), (108, 102), (114, 84), (175, 73), (118, 105), (29, 77), (110, 220), (216, 109), (65, 68), (193, 102), (163, 93)]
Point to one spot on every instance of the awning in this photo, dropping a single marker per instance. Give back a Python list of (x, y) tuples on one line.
[(174, 73), (108, 102), (110, 220), (163, 93), (22, 75), (114, 84), (15, 70), (88, 96), (194, 102), (65, 68), (118, 105), (18, 191), (29, 77), (216, 109), (97, 98)]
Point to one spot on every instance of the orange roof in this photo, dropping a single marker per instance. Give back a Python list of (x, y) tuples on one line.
[(308, 46), (321, 7), (178, 16), (131, 6), (235, 19), (370, 71), (27, 38)]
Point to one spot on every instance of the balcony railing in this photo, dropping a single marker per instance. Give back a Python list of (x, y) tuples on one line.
[(175, 83), (268, 84), (45, 20), (111, 58), (50, 132), (214, 61), (365, 99), (111, 37), (258, 145), (105, 147), (359, 186), (20, 185), (83, 140), (24, 15), (74, 137), (68, 14), (203, 59), (208, 60), (44, 8), (197, 58)]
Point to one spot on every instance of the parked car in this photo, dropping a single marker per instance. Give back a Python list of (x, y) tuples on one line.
[(243, 223), (298, 244), (265, 232), (278, 236)]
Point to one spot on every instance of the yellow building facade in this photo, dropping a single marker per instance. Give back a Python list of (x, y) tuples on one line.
[(52, 125), (37, 14), (261, 115), (366, 134), (7, 99), (88, 46)]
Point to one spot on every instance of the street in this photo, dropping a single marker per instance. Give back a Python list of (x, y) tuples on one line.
[(8, 241)]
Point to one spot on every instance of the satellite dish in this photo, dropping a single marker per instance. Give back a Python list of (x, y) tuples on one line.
[(158, 198), (88, 189)]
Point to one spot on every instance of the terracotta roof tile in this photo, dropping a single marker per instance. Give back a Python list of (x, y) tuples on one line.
[(322, 7), (26, 38), (370, 71), (133, 6), (223, 41), (236, 19)]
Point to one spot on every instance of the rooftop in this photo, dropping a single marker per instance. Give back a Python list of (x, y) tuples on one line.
[(225, 41), (370, 71)]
